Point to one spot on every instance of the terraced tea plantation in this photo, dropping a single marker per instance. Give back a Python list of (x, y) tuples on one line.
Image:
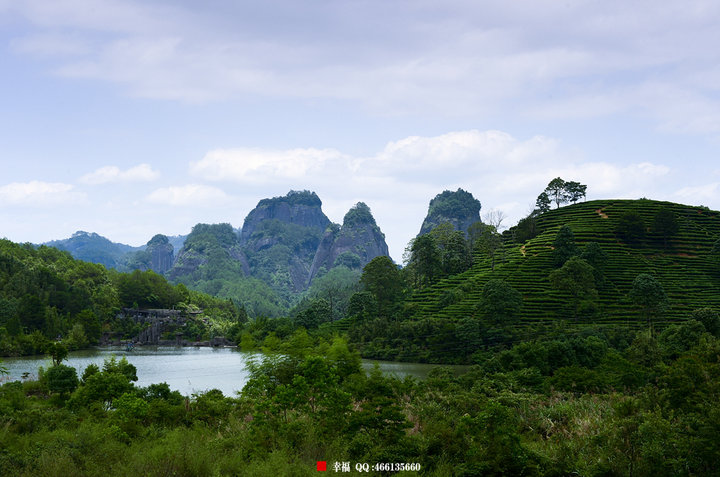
[(683, 263)]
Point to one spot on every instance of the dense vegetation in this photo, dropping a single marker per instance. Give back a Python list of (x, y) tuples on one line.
[(591, 404), (631, 264), (91, 247), (45, 294)]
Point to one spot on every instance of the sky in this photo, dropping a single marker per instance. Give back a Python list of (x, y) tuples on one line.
[(130, 118)]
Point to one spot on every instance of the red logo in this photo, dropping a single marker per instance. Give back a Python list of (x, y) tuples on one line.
[(322, 465)]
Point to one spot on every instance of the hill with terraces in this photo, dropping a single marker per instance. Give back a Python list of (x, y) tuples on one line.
[(684, 263), (685, 266)]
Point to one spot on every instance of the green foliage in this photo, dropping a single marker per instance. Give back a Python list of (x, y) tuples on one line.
[(61, 379), (564, 406), (526, 229), (631, 227), (362, 306), (453, 250), (450, 204), (294, 197), (348, 260), (336, 287), (649, 295), (665, 224), (500, 303), (709, 318), (316, 312), (147, 289), (57, 352), (542, 203), (560, 192), (425, 260), (210, 236), (576, 278), (76, 338), (575, 191), (357, 215), (594, 255), (486, 241), (564, 246), (381, 278)]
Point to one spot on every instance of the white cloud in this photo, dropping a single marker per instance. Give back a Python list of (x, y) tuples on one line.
[(191, 195), (258, 166), (536, 59), (39, 194), (108, 174), (52, 44), (700, 194), (502, 171)]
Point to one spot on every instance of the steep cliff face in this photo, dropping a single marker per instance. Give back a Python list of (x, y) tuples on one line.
[(157, 256), (302, 208), (161, 253), (459, 208), (280, 236), (353, 245)]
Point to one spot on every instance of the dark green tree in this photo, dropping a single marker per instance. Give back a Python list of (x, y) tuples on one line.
[(560, 192), (555, 191), (649, 295), (425, 260), (576, 278), (500, 303), (575, 191), (488, 242), (665, 224), (542, 204), (362, 306), (597, 257), (454, 254), (382, 278), (91, 325), (526, 229), (315, 314), (32, 313), (709, 318), (61, 379), (630, 227), (564, 246), (57, 351)]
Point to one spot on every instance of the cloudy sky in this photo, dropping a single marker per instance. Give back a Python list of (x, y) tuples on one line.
[(130, 118)]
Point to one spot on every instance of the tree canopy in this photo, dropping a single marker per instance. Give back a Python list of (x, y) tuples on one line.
[(560, 192)]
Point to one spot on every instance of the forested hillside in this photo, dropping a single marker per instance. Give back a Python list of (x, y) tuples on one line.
[(634, 264), (46, 295)]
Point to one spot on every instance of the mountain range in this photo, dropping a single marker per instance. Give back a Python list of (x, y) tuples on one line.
[(285, 243)]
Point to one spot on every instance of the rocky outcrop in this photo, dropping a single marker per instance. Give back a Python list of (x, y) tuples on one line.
[(160, 252), (353, 245), (209, 249), (458, 208), (302, 208), (280, 237)]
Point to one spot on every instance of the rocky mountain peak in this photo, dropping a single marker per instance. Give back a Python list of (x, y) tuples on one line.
[(458, 208), (353, 245)]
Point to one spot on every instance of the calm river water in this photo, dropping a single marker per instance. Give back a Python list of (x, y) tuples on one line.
[(188, 370)]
